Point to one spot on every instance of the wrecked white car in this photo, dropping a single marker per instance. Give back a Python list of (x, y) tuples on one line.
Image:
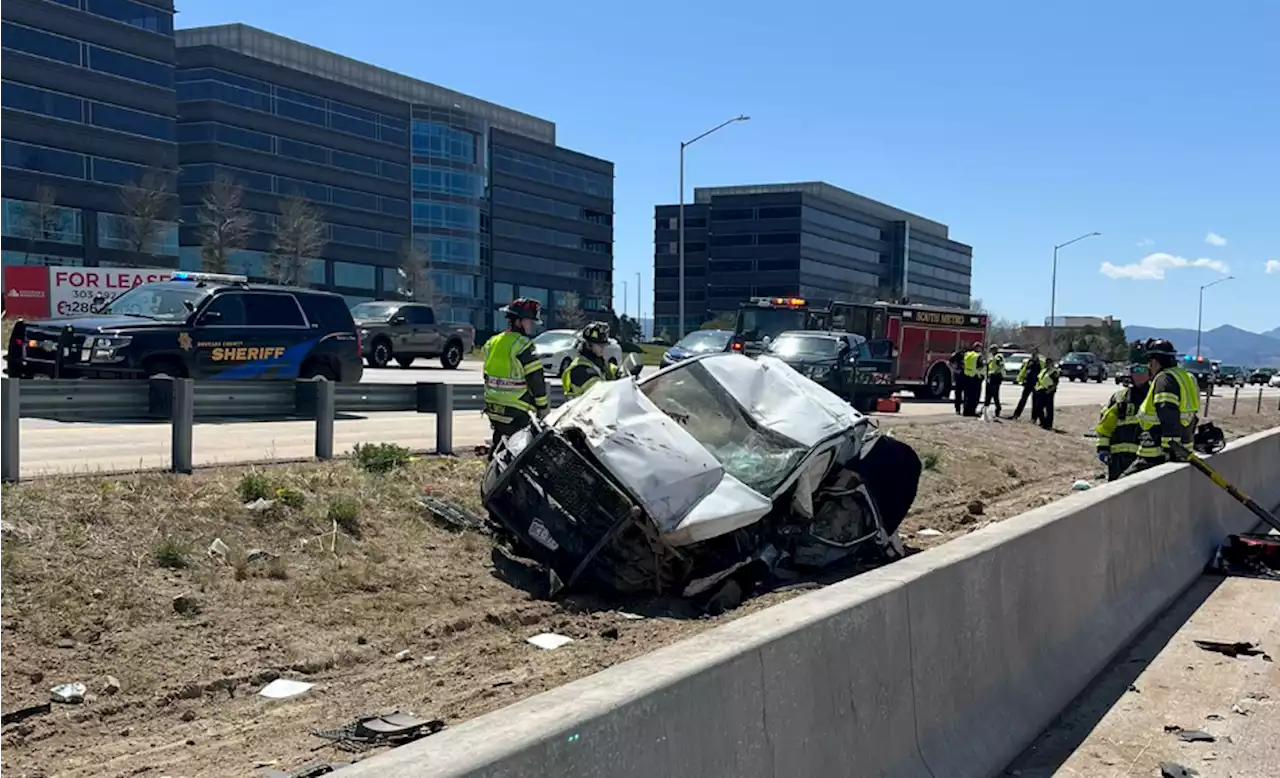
[(719, 469)]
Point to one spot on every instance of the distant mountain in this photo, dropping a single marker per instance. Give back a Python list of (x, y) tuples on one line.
[(1232, 345)]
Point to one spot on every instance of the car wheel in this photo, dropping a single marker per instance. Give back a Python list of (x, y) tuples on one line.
[(452, 356), (318, 369), (404, 361), (170, 367), (939, 383), (381, 354), (564, 366)]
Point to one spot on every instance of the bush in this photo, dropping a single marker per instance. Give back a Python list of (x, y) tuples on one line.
[(171, 554), (290, 497), (345, 512), (254, 485), (930, 460), (380, 457)]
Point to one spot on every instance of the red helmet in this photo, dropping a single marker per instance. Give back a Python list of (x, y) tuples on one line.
[(523, 308)]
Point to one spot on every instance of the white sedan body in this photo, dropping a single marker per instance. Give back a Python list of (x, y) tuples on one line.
[(557, 348)]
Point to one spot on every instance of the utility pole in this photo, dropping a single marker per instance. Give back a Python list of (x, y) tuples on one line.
[(1053, 292), (1200, 316)]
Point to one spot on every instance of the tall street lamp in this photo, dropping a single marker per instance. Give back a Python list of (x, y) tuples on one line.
[(1200, 317), (639, 326), (683, 146), (1053, 291)]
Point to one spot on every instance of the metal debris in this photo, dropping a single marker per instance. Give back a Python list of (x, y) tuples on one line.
[(393, 729), (452, 516), (1232, 650)]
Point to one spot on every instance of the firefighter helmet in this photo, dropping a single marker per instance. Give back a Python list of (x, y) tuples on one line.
[(596, 332), (523, 308), (1159, 347)]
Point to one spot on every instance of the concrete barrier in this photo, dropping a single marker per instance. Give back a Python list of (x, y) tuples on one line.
[(945, 664)]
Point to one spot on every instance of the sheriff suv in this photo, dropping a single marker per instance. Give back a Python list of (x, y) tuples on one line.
[(196, 325)]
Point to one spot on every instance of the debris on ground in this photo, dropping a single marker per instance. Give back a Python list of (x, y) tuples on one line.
[(284, 688), (1233, 650), (1190, 735), (314, 770), (1249, 554), (392, 729), (260, 505), (404, 656), (1081, 485), (549, 641), (927, 532), (68, 693), (13, 717), (1175, 770), (452, 516), (219, 550), (186, 605), (259, 555), (112, 685)]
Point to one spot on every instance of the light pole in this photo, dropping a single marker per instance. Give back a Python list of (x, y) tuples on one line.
[(683, 145), (639, 326), (1200, 316), (1053, 291), (624, 298)]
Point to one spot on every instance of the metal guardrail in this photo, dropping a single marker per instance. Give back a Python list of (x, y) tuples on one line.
[(182, 402)]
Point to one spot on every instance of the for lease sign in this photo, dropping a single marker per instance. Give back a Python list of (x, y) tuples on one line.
[(33, 292), (72, 290)]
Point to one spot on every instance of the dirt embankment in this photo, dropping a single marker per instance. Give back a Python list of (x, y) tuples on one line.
[(355, 573)]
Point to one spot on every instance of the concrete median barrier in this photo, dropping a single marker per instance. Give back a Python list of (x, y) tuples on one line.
[(945, 664)]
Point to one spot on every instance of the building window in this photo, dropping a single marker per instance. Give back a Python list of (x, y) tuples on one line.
[(458, 217), (21, 97), (117, 63), (33, 221), (443, 248), (111, 171), (41, 44), (44, 260), (445, 181), (355, 276), (563, 175), (150, 125), (502, 294), (143, 17), (40, 159), (116, 232), (431, 139), (831, 221)]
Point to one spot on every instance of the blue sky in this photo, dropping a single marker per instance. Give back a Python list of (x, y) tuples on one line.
[(1020, 125)]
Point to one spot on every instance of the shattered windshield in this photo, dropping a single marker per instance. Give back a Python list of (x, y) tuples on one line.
[(705, 341), (755, 455)]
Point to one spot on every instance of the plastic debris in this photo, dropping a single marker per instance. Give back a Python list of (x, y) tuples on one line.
[(549, 640), (630, 616), (392, 729), (1080, 486), (404, 656), (928, 532), (284, 688), (219, 550), (1175, 770), (68, 693), (259, 505), (259, 555)]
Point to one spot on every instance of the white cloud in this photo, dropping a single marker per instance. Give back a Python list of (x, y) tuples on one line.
[(1214, 239), (1152, 267), (1273, 266), (1145, 243)]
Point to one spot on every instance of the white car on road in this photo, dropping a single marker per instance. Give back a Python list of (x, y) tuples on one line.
[(557, 348)]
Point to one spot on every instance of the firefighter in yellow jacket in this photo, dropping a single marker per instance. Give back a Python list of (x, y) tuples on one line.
[(1118, 427), (589, 366), (515, 389), (1169, 413)]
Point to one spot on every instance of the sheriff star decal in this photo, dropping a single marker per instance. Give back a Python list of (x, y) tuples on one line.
[(184, 341)]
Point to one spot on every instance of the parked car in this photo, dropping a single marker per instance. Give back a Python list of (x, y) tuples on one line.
[(840, 362), (196, 325), (557, 348), (1083, 366), (1013, 364), (1262, 376), (390, 329), (697, 343), (1231, 375), (1203, 372), (700, 480), (1275, 381)]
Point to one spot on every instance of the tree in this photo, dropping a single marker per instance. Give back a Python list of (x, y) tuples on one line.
[(570, 314), (145, 206), (414, 275), (40, 219), (725, 321), (224, 225), (299, 237)]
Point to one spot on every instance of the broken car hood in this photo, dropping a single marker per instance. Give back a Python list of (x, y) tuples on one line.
[(707, 444)]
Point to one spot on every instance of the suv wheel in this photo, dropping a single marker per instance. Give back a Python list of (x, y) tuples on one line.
[(452, 356), (404, 361), (318, 369), (380, 356)]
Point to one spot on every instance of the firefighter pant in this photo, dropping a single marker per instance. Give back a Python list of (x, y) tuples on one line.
[(993, 392), (961, 383), (1042, 408), (1027, 391), (972, 395), (1118, 465)]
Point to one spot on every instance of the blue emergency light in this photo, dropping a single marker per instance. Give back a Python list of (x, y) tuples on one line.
[(224, 278)]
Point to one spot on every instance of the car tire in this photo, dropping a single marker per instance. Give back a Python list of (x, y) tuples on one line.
[(404, 361), (170, 367), (939, 384), (380, 353), (317, 368), (451, 357)]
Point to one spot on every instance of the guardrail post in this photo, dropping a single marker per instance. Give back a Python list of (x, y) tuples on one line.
[(326, 409), (183, 420), (1260, 399), (12, 412), (160, 397), (426, 398), (1208, 398), (444, 418)]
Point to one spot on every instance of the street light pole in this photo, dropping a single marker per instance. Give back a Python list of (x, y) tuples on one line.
[(625, 297), (1200, 316), (639, 326), (1053, 291), (683, 146)]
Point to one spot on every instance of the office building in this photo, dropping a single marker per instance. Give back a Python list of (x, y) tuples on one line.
[(88, 109), (560, 202), (812, 240), (386, 162)]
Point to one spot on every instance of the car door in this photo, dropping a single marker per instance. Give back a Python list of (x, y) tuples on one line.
[(426, 339), (253, 335)]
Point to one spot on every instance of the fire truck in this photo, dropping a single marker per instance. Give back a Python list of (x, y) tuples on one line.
[(924, 338), (761, 319)]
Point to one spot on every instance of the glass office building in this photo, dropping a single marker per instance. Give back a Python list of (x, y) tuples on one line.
[(811, 240), (89, 108)]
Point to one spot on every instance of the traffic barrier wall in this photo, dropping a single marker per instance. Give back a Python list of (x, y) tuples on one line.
[(946, 664)]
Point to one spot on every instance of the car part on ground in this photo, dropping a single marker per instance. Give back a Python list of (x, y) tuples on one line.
[(705, 478)]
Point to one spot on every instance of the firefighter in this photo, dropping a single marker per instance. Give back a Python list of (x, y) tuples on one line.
[(589, 365), (1027, 377), (515, 389), (995, 377), (1118, 428), (973, 367), (1169, 412), (1046, 387)]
